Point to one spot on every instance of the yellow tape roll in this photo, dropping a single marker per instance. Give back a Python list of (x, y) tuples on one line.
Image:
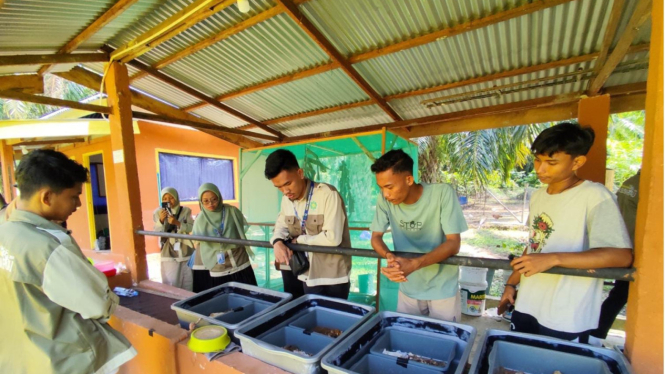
[(208, 339)]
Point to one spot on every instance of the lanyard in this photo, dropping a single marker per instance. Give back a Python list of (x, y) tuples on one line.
[(304, 216), (221, 227)]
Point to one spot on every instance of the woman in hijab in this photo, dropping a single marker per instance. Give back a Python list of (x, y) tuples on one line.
[(174, 218), (225, 262)]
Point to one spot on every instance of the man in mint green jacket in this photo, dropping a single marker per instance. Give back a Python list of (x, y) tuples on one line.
[(55, 304)]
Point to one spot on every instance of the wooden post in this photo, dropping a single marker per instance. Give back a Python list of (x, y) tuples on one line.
[(127, 178), (595, 112), (7, 161), (644, 326)]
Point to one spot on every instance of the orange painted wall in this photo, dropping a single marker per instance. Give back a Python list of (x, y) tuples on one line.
[(151, 138)]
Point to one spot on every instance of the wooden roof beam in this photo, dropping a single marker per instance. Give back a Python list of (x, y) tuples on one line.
[(58, 58), (199, 126), (292, 10), (44, 100), (190, 91), (414, 123), (172, 26), (641, 14), (112, 13), (312, 113), (26, 83), (93, 81), (610, 32), (29, 143)]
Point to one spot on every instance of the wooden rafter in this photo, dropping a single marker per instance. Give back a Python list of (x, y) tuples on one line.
[(631, 98), (641, 14), (459, 29), (262, 86), (16, 95), (610, 31), (93, 81), (172, 26), (112, 13), (59, 58), (427, 38), (26, 83), (220, 36), (306, 25), (29, 143), (199, 126), (190, 91)]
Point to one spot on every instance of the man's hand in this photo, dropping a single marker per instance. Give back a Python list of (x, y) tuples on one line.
[(162, 215), (508, 298), (174, 221), (394, 274), (535, 263), (399, 267), (408, 265), (282, 252)]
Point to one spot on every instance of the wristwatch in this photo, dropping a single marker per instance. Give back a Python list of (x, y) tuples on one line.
[(510, 285)]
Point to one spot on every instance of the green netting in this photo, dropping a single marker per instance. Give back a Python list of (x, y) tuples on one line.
[(344, 163)]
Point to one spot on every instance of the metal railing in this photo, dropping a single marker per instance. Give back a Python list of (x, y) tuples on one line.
[(625, 274)]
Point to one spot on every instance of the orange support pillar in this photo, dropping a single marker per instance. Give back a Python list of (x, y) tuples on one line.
[(644, 325), (595, 112), (126, 171), (7, 161)]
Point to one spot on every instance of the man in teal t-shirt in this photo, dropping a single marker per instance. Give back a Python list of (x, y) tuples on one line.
[(424, 218)]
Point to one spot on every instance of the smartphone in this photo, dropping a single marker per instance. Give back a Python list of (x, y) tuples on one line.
[(167, 206)]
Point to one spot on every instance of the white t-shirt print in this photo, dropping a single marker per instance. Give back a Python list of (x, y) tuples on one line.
[(583, 217)]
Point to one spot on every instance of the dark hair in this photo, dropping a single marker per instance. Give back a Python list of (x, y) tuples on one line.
[(397, 160), (48, 168), (567, 137), (279, 160)]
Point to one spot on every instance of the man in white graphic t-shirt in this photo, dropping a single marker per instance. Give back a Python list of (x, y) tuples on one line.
[(574, 223)]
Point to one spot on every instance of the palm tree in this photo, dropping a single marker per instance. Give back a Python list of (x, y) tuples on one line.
[(473, 158), (54, 86)]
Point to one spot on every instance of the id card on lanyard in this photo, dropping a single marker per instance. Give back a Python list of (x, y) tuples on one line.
[(221, 259), (306, 213)]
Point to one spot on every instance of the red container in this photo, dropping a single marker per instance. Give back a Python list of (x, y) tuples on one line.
[(106, 267)]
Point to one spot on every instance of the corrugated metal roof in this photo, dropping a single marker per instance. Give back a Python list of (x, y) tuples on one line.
[(524, 41), (224, 19), (45, 24), (320, 91), (270, 49), (218, 116), (343, 119)]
